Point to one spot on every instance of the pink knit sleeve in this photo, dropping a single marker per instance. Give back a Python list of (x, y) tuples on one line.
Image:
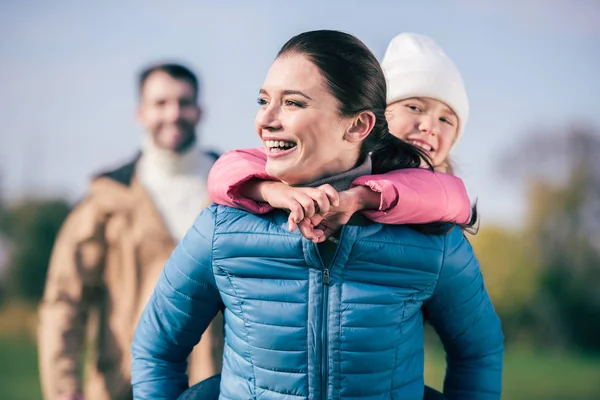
[(231, 171), (418, 196)]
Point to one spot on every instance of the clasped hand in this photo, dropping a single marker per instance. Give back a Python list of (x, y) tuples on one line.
[(317, 212)]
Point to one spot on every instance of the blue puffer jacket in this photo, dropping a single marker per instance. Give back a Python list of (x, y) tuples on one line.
[(295, 329)]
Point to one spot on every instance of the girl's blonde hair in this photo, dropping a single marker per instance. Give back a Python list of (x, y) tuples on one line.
[(447, 166)]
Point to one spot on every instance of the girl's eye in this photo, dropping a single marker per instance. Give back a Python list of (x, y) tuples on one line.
[(447, 121), (413, 108), (293, 103)]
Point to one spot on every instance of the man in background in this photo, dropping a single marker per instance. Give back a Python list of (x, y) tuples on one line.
[(114, 244)]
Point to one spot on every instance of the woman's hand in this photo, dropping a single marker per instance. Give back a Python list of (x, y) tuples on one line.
[(302, 202), (322, 225), (317, 212)]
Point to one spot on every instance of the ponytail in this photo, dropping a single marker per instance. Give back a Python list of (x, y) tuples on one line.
[(391, 153)]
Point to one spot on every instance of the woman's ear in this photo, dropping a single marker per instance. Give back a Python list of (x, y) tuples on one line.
[(361, 126)]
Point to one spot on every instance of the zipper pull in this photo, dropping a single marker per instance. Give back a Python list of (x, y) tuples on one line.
[(326, 277)]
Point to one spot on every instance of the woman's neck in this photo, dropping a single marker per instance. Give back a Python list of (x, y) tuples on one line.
[(343, 180)]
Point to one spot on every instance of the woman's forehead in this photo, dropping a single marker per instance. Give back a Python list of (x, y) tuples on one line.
[(293, 72)]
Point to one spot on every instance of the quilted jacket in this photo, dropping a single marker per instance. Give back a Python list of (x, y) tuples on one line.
[(298, 329)]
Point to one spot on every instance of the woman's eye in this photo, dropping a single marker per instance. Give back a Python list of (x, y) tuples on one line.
[(293, 103), (261, 101)]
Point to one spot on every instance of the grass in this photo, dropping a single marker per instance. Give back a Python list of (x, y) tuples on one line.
[(19, 378), (527, 375)]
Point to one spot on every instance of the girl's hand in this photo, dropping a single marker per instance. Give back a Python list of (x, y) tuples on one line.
[(322, 225)]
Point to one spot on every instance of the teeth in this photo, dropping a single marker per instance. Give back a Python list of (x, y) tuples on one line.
[(279, 144), (421, 145)]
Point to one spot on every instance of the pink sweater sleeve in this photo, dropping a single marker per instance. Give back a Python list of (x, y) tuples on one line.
[(231, 171), (416, 196), (408, 196)]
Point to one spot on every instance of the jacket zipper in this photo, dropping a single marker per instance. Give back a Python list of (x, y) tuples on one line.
[(324, 333), (325, 320)]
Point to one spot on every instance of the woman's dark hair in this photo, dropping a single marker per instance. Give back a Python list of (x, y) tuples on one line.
[(355, 78)]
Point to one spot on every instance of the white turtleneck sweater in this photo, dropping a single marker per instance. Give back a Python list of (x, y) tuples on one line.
[(176, 183)]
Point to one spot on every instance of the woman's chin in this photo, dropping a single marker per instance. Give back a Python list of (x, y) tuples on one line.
[(288, 174), (278, 169)]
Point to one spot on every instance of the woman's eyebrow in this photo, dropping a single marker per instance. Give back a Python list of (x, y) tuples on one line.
[(287, 93)]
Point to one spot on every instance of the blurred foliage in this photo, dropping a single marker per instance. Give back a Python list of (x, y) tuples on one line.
[(512, 276), (543, 277), (31, 227), (564, 227)]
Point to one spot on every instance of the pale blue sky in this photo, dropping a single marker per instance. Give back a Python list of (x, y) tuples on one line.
[(68, 71)]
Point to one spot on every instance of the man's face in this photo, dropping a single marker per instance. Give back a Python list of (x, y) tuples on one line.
[(168, 111)]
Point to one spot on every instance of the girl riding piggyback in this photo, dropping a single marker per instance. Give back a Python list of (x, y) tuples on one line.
[(427, 106)]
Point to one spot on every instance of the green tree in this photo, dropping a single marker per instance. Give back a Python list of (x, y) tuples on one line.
[(563, 228), (512, 276), (31, 226)]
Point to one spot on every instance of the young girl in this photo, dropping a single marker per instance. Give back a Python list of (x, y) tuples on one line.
[(427, 107)]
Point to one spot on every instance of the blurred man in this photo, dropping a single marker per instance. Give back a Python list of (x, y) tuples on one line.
[(113, 246)]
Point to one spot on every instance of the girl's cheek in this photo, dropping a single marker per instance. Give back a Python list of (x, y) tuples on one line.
[(400, 130)]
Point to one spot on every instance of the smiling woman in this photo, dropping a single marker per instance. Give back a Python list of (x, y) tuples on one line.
[(300, 115), (341, 319)]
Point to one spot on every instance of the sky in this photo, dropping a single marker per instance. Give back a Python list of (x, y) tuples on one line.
[(68, 77)]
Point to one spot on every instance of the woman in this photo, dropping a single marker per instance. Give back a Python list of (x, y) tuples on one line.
[(340, 319)]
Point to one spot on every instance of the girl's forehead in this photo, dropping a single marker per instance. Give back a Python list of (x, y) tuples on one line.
[(428, 102)]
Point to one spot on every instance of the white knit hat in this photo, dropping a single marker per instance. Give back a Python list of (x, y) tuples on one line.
[(415, 66)]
